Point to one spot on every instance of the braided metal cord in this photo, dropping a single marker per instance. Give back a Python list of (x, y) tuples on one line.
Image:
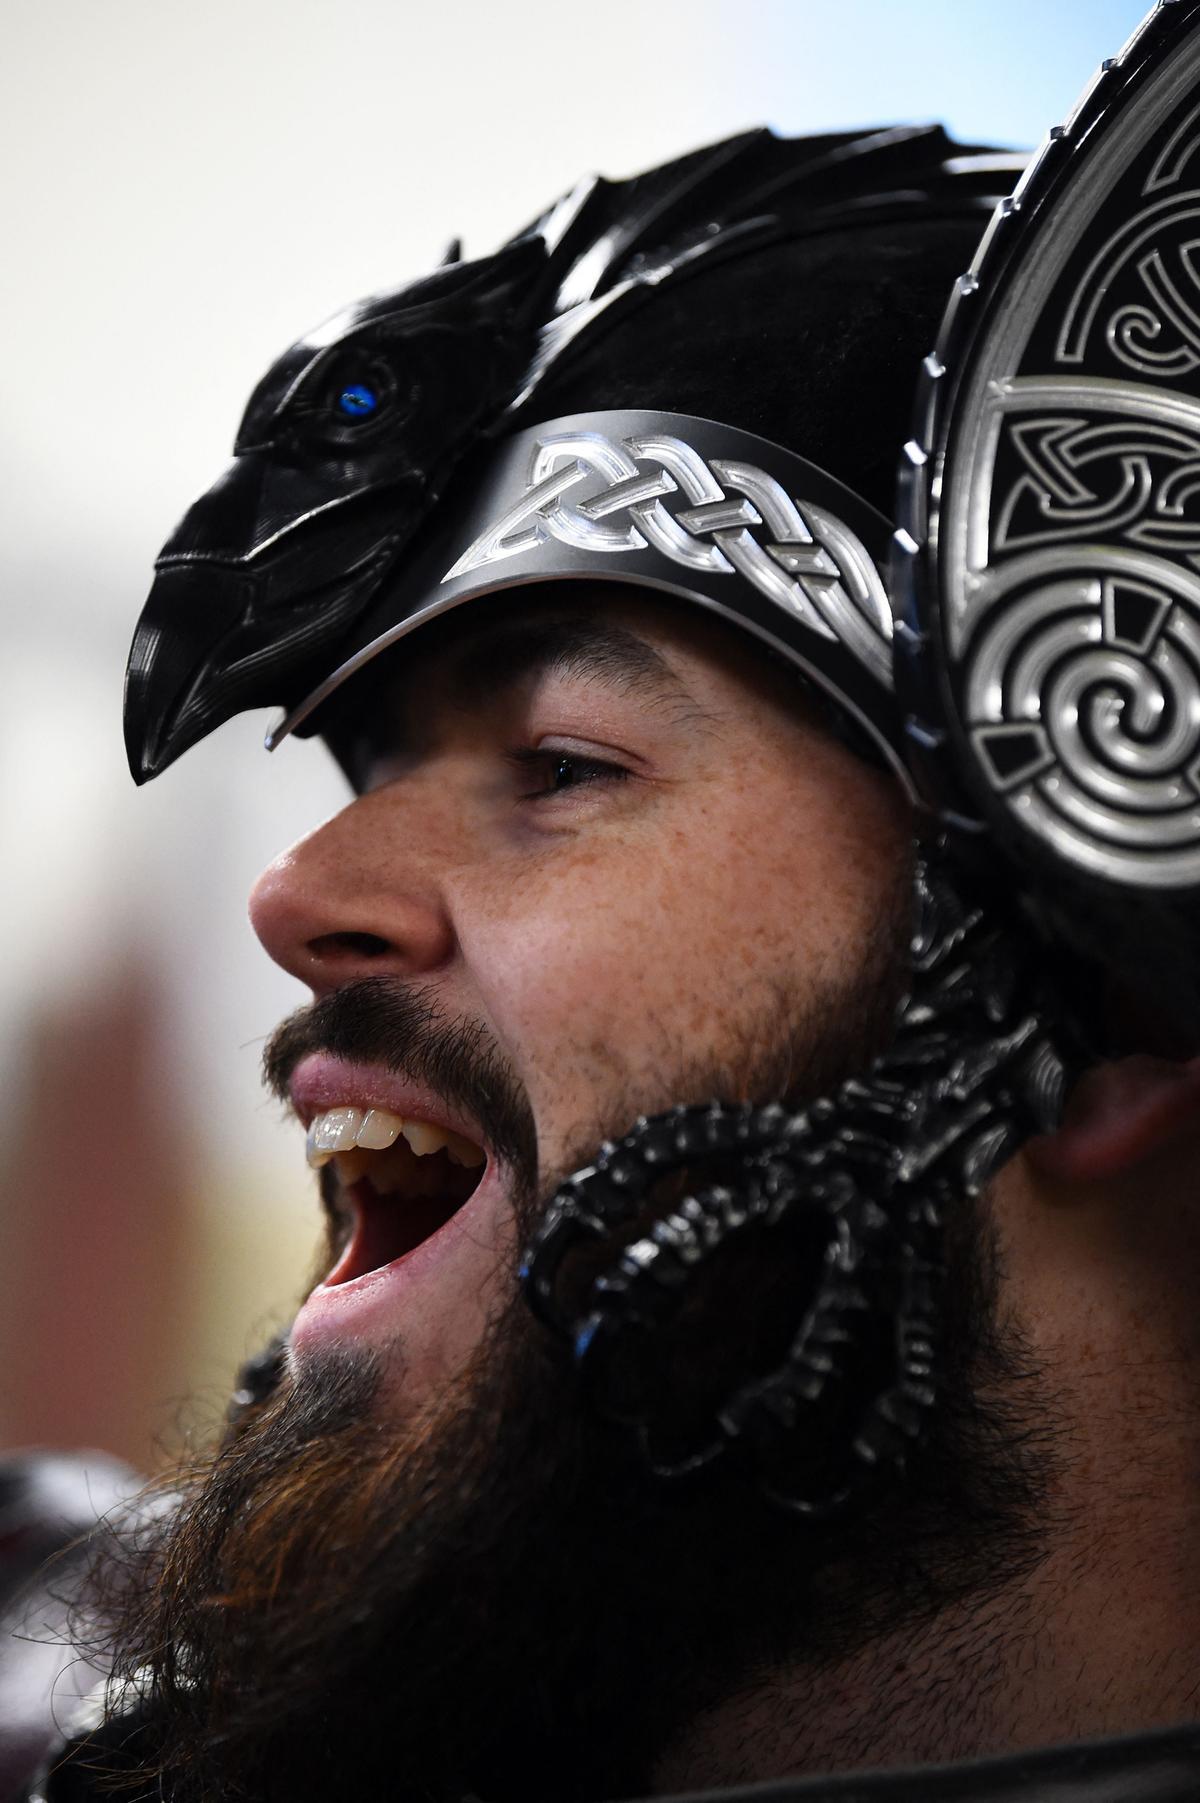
[(726, 515), (974, 1068)]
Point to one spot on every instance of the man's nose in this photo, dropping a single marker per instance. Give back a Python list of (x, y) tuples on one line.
[(357, 897)]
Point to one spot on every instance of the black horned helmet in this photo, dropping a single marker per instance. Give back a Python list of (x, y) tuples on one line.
[(700, 381)]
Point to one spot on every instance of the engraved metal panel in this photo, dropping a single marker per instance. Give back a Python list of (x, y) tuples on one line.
[(1060, 487)]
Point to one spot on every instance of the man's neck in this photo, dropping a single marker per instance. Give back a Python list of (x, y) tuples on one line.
[(1101, 1635), (1099, 1642)]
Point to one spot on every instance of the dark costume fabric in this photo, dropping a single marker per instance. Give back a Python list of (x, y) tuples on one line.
[(1163, 1767)]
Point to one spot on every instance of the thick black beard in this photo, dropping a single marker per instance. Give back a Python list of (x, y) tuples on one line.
[(497, 1601)]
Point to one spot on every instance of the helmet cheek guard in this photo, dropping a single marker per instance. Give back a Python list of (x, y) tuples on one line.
[(1039, 692)]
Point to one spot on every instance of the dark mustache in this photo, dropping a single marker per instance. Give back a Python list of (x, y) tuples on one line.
[(377, 1020)]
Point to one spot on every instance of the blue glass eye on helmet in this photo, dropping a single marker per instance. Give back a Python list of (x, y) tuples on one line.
[(358, 401)]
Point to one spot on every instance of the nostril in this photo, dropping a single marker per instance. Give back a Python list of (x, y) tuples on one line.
[(348, 945)]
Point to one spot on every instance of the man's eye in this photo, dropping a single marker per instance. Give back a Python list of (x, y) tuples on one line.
[(556, 771)]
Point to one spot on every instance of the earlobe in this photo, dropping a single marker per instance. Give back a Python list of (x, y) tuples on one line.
[(1120, 1114)]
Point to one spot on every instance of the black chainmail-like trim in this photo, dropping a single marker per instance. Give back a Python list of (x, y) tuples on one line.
[(978, 1063)]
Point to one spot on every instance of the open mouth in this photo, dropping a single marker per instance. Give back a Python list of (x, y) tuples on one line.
[(400, 1180)]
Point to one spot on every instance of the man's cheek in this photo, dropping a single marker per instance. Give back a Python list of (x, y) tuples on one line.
[(568, 973), (621, 916)]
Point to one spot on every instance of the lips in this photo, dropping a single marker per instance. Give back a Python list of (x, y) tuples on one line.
[(415, 1180), (320, 1082)]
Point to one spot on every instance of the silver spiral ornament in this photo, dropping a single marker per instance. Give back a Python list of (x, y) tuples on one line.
[(1082, 707)]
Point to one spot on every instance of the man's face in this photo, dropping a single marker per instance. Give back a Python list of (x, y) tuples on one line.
[(605, 848), (603, 860)]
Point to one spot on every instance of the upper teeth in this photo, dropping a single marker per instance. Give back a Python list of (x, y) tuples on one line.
[(374, 1129)]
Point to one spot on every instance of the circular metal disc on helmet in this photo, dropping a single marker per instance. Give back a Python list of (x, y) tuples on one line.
[(1048, 562)]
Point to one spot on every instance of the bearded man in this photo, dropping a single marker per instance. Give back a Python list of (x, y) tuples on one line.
[(854, 1423)]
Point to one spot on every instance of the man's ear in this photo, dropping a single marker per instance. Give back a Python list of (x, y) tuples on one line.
[(1120, 1114)]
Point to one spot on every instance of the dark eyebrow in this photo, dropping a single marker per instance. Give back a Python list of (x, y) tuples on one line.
[(485, 662), (590, 650)]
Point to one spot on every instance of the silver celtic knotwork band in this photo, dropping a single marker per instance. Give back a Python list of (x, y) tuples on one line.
[(677, 504), (814, 565)]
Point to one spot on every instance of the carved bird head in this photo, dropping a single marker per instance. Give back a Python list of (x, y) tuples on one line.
[(343, 449)]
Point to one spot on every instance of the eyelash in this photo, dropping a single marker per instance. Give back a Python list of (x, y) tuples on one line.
[(550, 762)]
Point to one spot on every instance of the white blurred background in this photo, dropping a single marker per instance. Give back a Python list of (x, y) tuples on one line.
[(186, 188)]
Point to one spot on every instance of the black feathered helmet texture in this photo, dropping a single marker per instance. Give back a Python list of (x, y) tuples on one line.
[(810, 341), (700, 381)]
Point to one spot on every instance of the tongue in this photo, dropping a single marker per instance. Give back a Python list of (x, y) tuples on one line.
[(388, 1228)]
